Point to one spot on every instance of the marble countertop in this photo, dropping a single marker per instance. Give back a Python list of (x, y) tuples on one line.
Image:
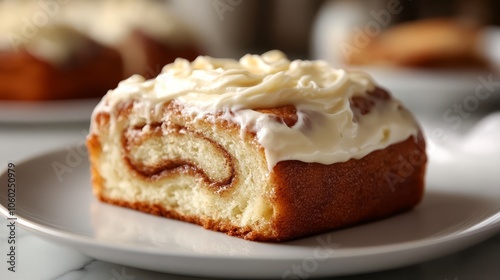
[(40, 259)]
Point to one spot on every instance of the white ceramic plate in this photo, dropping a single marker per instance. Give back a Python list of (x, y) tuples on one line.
[(58, 111), (461, 208)]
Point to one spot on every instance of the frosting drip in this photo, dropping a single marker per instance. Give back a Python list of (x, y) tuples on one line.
[(328, 129)]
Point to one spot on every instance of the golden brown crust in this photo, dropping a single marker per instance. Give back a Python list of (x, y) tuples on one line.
[(94, 149), (310, 198), (318, 198)]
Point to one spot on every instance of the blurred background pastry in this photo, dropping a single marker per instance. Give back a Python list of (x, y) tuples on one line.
[(58, 62), (432, 55), (56, 49), (147, 33), (429, 43), (447, 34)]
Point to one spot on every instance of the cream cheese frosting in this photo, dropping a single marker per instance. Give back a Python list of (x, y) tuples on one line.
[(327, 130), (23, 24)]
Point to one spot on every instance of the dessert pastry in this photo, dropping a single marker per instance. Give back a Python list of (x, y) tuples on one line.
[(431, 43), (146, 33), (262, 148), (81, 49), (58, 63)]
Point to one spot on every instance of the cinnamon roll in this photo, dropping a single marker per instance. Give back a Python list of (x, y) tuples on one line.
[(263, 148)]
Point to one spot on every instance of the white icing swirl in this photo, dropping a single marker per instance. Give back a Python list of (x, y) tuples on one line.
[(327, 130)]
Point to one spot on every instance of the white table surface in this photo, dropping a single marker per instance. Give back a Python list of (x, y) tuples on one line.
[(39, 259)]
